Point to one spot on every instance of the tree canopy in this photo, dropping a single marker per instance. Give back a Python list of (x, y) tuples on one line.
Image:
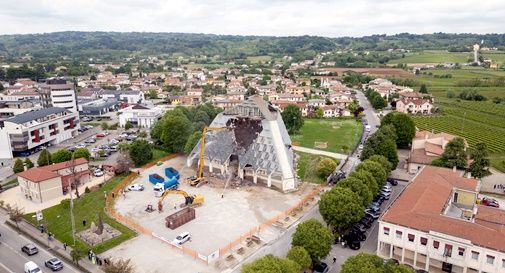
[(382, 143), (325, 167), (61, 155), (44, 158), (82, 153), (300, 256), (376, 169), (271, 264), (341, 207), (367, 178), (386, 165), (359, 188), (405, 127), (480, 161), (314, 237), (292, 117), (454, 155), (28, 163), (371, 263), (18, 166), (140, 152)]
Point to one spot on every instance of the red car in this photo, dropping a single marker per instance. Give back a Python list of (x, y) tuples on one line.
[(100, 135), (490, 202)]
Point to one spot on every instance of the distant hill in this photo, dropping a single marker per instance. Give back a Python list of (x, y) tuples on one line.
[(111, 45)]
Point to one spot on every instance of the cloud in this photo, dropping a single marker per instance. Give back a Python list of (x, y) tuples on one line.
[(331, 18)]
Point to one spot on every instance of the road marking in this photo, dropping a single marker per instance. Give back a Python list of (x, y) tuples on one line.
[(6, 268)]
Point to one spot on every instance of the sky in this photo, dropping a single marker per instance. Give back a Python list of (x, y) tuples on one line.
[(331, 18)]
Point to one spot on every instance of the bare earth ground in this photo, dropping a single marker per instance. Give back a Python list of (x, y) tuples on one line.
[(219, 221)]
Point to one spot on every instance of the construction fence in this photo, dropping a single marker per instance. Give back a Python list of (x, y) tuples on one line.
[(208, 259)]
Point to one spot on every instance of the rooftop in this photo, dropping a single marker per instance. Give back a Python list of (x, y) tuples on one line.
[(36, 114)]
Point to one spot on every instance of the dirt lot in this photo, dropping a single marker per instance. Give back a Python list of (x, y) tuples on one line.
[(219, 221), (373, 71)]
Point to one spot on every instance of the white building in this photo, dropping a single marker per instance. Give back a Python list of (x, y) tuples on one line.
[(435, 225), (27, 131), (140, 115), (59, 93)]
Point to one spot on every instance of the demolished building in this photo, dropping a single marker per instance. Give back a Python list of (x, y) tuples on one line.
[(255, 147)]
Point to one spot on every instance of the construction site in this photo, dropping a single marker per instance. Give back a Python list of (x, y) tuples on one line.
[(235, 192)]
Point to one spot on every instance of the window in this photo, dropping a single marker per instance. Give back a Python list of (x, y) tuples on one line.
[(411, 237), (461, 251), (448, 250), (436, 244), (475, 255), (489, 259), (399, 234), (386, 231), (424, 241)]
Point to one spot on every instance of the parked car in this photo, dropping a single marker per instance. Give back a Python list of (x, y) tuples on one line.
[(490, 202), (113, 141), (100, 135), (360, 147), (131, 137), (112, 149), (321, 268), (90, 140), (387, 188), (373, 214), (136, 187), (104, 153), (30, 249), (80, 146), (378, 200), (352, 241), (367, 221), (182, 238), (392, 181), (54, 264), (72, 149), (385, 194), (358, 234), (89, 127), (373, 208), (359, 227), (98, 173), (31, 267)]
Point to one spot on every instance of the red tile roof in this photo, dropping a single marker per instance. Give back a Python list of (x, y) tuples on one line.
[(422, 203), (40, 174), (63, 165)]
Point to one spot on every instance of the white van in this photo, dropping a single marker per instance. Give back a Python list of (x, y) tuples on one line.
[(31, 267), (368, 128)]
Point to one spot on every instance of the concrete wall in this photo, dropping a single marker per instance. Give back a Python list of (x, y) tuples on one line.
[(42, 191)]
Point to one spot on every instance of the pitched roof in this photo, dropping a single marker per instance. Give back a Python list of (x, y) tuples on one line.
[(36, 114), (422, 203), (419, 156), (63, 165), (433, 148), (38, 175)]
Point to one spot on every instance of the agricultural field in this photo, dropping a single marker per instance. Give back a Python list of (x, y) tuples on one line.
[(433, 56), (259, 59), (497, 56), (333, 135)]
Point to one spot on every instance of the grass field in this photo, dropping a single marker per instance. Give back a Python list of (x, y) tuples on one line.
[(497, 56), (433, 56), (341, 135), (88, 207), (259, 59), (306, 168)]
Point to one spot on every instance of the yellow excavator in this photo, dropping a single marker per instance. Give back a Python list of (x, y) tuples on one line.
[(198, 180), (189, 200)]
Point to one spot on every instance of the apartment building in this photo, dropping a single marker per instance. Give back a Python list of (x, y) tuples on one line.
[(436, 226), (28, 131), (58, 93), (142, 115)]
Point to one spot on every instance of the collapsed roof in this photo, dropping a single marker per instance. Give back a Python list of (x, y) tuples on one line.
[(257, 136)]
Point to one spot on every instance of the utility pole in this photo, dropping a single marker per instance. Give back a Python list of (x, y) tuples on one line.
[(72, 170)]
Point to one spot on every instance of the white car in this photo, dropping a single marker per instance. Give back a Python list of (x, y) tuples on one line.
[(80, 146), (360, 147), (182, 238), (136, 187), (114, 141), (98, 173), (31, 267)]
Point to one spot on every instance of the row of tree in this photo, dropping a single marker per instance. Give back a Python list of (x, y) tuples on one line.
[(46, 158), (377, 101), (180, 129)]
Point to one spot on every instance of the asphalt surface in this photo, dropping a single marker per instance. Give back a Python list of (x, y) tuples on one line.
[(11, 257)]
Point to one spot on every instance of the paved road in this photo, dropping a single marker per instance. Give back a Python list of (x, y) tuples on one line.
[(11, 257), (319, 152)]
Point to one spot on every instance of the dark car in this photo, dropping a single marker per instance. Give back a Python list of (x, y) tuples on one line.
[(30, 249), (392, 181), (359, 227), (373, 214), (367, 221), (356, 234), (321, 268), (54, 264)]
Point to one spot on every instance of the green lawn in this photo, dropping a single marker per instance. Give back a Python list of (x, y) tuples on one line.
[(88, 207), (307, 165), (433, 56), (157, 154), (341, 135)]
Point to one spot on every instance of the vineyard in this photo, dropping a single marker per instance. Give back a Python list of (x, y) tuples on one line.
[(473, 131)]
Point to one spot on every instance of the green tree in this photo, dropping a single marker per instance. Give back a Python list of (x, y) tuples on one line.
[(363, 263), (61, 155), (152, 94), (386, 165), (405, 127), (378, 102), (192, 141), (271, 264), (359, 188), (480, 161), (292, 117), (77, 253), (454, 155), (104, 126), (82, 153), (341, 208), (374, 168), (368, 179), (380, 144), (300, 256), (175, 132), (423, 89), (325, 167), (141, 152), (28, 163), (18, 166), (44, 158), (314, 237), (128, 125)]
